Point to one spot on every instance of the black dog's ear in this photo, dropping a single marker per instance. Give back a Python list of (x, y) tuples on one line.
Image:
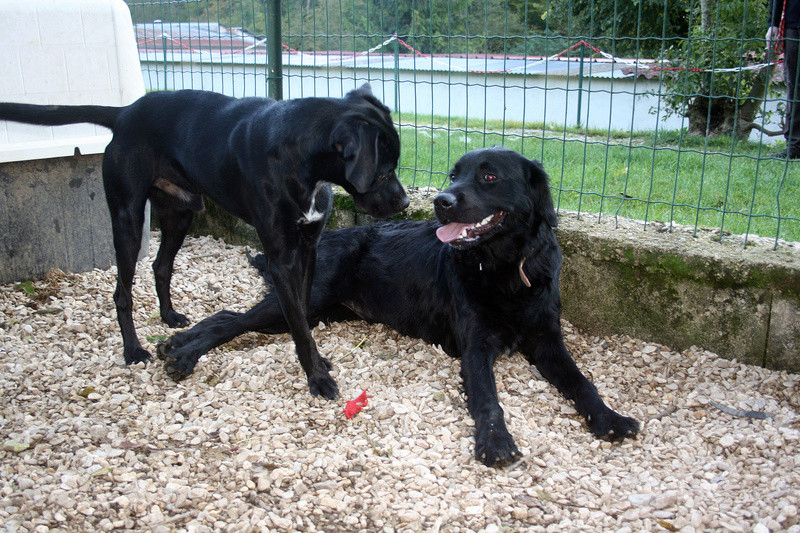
[(542, 199), (365, 93), (364, 90), (358, 147)]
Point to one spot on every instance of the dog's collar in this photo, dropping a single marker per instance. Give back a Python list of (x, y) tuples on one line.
[(522, 275), (521, 269)]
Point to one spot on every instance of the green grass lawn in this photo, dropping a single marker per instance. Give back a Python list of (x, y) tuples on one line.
[(669, 178)]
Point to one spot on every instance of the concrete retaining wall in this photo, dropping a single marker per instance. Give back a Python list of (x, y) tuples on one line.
[(684, 288), (676, 287), (54, 215)]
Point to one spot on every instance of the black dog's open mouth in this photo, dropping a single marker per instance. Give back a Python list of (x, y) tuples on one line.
[(462, 235)]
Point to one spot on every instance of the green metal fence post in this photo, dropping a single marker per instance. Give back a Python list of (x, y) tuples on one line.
[(580, 83), (164, 48), (396, 74), (274, 57)]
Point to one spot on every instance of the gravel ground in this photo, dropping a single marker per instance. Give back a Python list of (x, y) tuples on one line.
[(91, 445)]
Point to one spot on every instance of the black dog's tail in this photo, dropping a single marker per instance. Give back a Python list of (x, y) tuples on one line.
[(58, 115)]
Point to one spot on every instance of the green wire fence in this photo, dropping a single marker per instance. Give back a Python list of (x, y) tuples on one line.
[(658, 112)]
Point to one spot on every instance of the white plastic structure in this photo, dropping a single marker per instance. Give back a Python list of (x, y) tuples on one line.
[(64, 52)]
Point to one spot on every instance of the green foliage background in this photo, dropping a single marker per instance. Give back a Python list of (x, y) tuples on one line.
[(540, 27)]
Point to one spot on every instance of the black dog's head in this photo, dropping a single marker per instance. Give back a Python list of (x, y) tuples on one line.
[(369, 145), (488, 189)]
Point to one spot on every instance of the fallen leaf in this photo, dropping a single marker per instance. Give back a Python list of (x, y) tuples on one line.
[(15, 447), (86, 392), (544, 495), (28, 288), (666, 525)]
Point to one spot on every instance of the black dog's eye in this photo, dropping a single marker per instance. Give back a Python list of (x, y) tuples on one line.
[(452, 176), (490, 178)]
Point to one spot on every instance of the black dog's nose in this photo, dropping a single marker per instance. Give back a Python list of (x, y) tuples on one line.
[(403, 203), (444, 201)]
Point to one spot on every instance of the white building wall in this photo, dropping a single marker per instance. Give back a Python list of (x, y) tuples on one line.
[(624, 103)]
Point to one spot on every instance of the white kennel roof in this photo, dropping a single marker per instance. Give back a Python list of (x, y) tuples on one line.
[(64, 52)]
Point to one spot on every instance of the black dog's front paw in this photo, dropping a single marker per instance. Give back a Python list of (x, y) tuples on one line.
[(175, 342), (327, 363), (494, 445), (163, 348), (612, 426), (137, 355), (177, 368), (320, 382)]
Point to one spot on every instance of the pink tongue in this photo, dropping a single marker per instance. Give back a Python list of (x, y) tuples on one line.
[(451, 231)]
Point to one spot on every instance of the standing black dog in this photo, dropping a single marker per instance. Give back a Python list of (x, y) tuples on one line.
[(267, 162), (482, 283)]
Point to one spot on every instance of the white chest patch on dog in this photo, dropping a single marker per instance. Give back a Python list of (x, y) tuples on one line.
[(312, 215)]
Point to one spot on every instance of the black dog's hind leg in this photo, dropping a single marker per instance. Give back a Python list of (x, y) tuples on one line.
[(127, 218), (174, 224), (555, 363), (123, 300), (494, 445)]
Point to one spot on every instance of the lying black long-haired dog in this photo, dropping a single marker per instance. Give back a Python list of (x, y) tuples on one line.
[(481, 282), (267, 162)]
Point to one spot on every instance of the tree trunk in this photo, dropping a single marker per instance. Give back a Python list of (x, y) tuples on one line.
[(720, 116), (706, 7)]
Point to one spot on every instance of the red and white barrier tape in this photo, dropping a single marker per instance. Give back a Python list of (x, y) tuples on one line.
[(449, 66)]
